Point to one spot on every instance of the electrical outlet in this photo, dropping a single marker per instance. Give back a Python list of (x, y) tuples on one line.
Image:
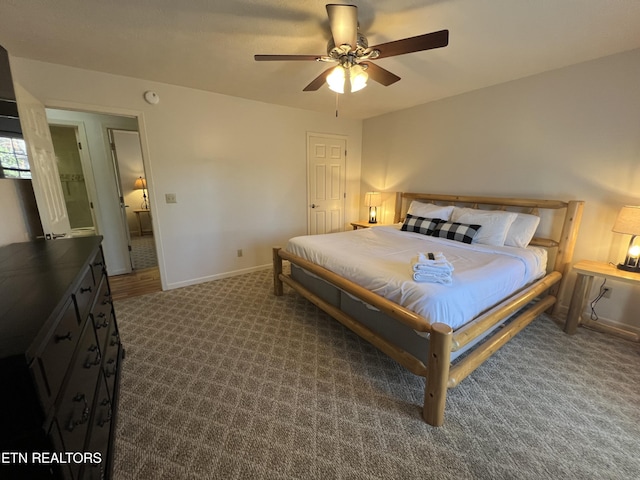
[(239, 252), (170, 198), (606, 292)]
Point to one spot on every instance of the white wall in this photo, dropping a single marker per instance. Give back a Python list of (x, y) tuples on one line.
[(237, 167), (572, 133)]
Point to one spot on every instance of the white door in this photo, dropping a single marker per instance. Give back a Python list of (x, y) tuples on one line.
[(44, 168), (326, 160), (124, 144)]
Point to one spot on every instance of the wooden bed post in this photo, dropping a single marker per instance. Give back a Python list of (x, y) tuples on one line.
[(438, 363), (397, 215), (565, 251), (277, 270)]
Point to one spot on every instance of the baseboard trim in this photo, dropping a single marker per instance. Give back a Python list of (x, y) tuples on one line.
[(219, 276)]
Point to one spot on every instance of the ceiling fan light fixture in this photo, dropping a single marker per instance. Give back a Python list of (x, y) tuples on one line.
[(358, 78), (339, 81), (336, 79), (350, 49)]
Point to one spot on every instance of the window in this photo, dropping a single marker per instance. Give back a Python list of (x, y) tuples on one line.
[(13, 158)]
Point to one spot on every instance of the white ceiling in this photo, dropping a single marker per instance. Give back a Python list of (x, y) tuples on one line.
[(209, 44)]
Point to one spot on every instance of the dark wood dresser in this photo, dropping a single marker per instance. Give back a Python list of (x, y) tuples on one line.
[(60, 359)]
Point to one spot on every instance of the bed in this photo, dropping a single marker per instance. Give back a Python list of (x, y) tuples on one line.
[(508, 268)]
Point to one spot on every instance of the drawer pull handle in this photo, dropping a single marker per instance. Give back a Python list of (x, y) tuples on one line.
[(89, 364), (84, 290), (104, 324), (60, 338), (104, 421), (107, 372), (80, 397)]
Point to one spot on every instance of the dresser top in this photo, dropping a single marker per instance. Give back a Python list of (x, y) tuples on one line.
[(36, 282)]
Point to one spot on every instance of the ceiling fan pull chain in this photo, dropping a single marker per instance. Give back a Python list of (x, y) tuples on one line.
[(337, 97)]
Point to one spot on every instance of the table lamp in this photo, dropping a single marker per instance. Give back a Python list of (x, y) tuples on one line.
[(373, 200), (628, 222), (141, 184)]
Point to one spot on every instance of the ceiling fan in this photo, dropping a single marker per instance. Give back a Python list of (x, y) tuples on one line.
[(350, 50)]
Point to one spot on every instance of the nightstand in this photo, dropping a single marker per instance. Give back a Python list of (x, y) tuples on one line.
[(138, 212), (586, 270), (364, 224)]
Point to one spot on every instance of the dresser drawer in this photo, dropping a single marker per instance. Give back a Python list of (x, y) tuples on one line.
[(102, 312), (75, 403), (98, 264), (56, 440), (85, 294), (99, 433), (111, 356), (54, 358)]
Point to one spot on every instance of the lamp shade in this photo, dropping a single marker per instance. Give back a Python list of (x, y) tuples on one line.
[(628, 221), (358, 78), (352, 78), (140, 184), (336, 79), (372, 199)]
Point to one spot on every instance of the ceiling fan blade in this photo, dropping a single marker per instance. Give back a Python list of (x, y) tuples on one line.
[(343, 20), (379, 74), (271, 58), (427, 41), (318, 81)]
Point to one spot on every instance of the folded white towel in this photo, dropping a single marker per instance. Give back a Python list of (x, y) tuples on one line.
[(432, 267), (442, 278), (431, 262)]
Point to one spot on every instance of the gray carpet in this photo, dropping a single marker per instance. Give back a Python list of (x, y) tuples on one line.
[(223, 380), (143, 252)]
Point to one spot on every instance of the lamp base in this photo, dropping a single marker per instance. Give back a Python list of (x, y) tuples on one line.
[(373, 215), (628, 268)]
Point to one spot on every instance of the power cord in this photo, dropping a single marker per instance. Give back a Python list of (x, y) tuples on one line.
[(603, 291)]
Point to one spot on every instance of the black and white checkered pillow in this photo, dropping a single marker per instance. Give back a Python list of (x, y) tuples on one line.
[(425, 226), (460, 232)]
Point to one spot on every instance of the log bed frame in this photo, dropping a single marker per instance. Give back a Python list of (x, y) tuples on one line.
[(520, 309)]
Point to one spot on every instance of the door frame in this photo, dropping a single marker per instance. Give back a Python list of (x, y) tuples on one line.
[(343, 179), (142, 131)]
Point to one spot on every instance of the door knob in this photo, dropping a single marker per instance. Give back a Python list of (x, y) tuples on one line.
[(313, 205)]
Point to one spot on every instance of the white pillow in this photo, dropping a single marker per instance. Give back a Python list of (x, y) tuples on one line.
[(495, 224), (430, 210), (522, 230)]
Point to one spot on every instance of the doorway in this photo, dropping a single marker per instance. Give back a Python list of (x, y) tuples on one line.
[(107, 190)]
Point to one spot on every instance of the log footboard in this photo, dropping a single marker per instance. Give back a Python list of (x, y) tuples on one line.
[(440, 373)]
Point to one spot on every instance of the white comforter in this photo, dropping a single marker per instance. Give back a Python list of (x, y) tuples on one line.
[(379, 259)]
